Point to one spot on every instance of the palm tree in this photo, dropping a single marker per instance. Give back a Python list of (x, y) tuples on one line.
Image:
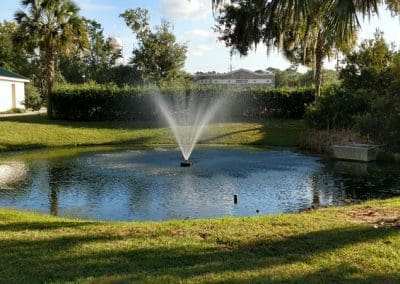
[(311, 39), (306, 29), (49, 28)]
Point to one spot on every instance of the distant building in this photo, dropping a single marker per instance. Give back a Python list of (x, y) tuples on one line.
[(12, 90), (240, 77)]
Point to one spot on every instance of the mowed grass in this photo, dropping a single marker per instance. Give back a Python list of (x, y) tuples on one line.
[(35, 131), (329, 245)]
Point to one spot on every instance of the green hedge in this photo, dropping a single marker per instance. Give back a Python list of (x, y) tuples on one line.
[(108, 102)]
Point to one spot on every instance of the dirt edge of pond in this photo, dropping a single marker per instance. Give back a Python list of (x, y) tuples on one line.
[(376, 217)]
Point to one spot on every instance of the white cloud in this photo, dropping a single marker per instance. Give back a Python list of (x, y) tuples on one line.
[(199, 34), (201, 41), (90, 5), (186, 9), (201, 49)]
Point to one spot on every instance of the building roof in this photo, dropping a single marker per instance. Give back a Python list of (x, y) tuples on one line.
[(9, 74), (237, 74)]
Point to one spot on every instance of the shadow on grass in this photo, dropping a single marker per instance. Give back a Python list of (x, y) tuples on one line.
[(114, 124), (122, 257), (24, 226), (215, 138), (140, 141)]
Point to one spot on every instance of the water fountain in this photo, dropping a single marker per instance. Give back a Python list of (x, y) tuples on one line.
[(188, 116)]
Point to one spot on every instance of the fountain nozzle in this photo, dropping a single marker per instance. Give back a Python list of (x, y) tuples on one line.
[(186, 163)]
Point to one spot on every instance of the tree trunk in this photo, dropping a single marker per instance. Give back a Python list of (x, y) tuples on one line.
[(50, 74), (319, 57)]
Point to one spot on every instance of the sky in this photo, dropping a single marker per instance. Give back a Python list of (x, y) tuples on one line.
[(193, 23)]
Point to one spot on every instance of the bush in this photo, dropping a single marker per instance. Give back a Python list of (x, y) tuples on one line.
[(33, 100), (382, 124), (108, 102), (336, 109)]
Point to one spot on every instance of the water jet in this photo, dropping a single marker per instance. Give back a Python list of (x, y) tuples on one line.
[(188, 116)]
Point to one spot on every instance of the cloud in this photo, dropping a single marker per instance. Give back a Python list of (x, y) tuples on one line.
[(200, 41), (186, 9), (201, 49), (199, 34), (90, 5)]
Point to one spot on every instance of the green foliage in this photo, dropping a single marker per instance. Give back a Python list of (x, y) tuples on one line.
[(374, 71), (158, 56), (369, 68), (12, 57), (33, 99), (382, 123), (291, 78), (306, 31), (49, 29), (92, 63), (335, 109), (105, 102), (369, 97), (122, 75)]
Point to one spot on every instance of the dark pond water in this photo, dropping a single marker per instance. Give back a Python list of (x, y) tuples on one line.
[(150, 184)]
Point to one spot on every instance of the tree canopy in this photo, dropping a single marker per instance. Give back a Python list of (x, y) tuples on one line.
[(50, 28), (93, 63), (157, 55), (306, 30)]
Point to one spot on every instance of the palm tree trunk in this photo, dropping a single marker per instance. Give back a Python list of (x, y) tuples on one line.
[(319, 57), (50, 70)]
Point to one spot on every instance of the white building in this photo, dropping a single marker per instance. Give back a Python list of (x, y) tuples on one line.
[(12, 90), (240, 77)]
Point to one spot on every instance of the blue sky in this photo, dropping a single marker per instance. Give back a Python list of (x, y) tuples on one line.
[(193, 22)]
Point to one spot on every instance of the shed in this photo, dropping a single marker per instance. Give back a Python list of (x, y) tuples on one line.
[(12, 90)]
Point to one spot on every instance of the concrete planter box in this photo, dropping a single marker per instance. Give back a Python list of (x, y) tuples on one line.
[(355, 152)]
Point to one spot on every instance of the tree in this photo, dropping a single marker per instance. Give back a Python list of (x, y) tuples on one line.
[(372, 73), (370, 67), (94, 62), (158, 56), (12, 57), (306, 30), (51, 28)]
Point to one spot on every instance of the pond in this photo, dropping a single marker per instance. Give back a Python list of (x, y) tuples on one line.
[(150, 184)]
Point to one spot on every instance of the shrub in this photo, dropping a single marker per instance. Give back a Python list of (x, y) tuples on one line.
[(382, 124), (33, 100), (107, 102), (336, 109)]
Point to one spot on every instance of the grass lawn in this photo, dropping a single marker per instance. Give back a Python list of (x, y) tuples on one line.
[(358, 243), (34, 131)]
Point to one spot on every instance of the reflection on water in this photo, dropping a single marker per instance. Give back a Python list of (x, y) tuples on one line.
[(150, 185), (11, 172)]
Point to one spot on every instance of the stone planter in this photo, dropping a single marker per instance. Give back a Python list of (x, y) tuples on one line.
[(355, 152)]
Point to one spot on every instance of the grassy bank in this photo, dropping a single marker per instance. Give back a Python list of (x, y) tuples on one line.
[(34, 131), (357, 243)]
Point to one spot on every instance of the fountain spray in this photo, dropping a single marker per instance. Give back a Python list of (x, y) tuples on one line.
[(188, 117)]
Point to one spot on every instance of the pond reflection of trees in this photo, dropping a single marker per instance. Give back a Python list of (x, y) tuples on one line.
[(339, 182)]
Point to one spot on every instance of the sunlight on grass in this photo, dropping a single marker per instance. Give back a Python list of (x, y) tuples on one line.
[(36, 131)]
